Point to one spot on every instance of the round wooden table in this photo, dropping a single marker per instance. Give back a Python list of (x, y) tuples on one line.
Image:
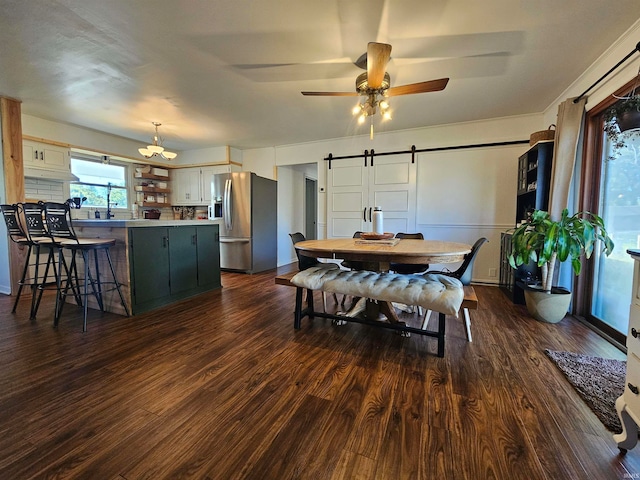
[(378, 253)]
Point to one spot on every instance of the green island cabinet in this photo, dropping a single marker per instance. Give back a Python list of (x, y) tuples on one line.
[(170, 263)]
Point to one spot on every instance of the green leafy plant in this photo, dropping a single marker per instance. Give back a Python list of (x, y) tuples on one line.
[(545, 241), (611, 117)]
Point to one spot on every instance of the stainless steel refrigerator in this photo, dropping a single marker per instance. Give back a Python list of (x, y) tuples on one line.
[(246, 204)]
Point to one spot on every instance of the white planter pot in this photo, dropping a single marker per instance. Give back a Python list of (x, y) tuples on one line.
[(549, 307)]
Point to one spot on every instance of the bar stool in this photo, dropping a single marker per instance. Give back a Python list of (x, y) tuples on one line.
[(38, 235), (19, 235), (59, 224)]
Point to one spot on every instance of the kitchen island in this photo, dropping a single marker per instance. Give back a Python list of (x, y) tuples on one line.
[(158, 262)]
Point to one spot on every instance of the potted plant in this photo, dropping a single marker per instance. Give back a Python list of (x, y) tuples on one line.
[(546, 242), (622, 120)]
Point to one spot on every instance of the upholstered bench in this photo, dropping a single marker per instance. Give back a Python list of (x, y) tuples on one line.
[(439, 293)]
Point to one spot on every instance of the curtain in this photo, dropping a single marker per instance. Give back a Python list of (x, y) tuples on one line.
[(569, 127)]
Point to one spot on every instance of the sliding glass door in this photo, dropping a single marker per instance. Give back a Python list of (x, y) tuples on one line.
[(619, 205)]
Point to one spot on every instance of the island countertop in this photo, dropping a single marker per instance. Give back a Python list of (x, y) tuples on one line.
[(115, 223)]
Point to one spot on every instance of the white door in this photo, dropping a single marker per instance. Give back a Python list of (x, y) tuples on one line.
[(392, 186), (347, 198), (353, 190)]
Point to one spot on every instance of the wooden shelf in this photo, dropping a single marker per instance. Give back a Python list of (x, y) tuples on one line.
[(155, 204), (140, 188), (149, 176)]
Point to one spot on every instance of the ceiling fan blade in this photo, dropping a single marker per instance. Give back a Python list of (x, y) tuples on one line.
[(421, 87), (330, 94), (378, 55)]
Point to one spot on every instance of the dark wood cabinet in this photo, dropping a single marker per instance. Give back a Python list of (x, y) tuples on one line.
[(171, 263), (534, 179)]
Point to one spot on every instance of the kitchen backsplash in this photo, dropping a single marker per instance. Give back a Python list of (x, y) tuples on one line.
[(45, 190)]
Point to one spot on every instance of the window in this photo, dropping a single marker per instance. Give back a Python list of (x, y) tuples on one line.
[(97, 180)]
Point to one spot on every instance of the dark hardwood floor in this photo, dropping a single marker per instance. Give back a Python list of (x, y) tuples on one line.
[(221, 387)]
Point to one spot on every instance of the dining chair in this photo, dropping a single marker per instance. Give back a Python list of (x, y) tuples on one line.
[(305, 262), (60, 227), (353, 264), (408, 268), (464, 273)]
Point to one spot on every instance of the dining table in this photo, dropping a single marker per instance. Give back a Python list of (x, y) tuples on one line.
[(377, 255)]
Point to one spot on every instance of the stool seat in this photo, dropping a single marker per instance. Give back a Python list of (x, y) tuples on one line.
[(88, 243)]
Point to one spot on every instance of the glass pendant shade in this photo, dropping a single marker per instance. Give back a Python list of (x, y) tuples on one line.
[(156, 147)]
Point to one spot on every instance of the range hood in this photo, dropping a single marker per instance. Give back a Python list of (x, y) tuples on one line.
[(47, 174)]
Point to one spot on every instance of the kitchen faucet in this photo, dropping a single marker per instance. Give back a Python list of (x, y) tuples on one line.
[(109, 214)]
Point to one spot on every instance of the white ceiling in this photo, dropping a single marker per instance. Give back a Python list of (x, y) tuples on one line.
[(230, 72)]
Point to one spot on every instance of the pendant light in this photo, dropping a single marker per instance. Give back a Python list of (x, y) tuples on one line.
[(156, 147)]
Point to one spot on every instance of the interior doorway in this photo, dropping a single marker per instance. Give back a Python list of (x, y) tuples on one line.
[(310, 208)]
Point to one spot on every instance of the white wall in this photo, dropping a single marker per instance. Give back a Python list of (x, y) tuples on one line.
[(290, 215), (261, 161), (625, 44), (450, 183)]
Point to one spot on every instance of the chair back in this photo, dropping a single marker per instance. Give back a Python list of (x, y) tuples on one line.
[(465, 271), (304, 262), (33, 214), (12, 220), (411, 236), (58, 218)]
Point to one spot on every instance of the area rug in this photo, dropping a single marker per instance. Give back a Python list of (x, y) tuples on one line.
[(599, 381)]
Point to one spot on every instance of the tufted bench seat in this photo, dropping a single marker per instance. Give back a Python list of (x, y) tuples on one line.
[(439, 293)]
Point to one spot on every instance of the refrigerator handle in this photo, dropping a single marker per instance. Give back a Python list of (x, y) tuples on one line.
[(364, 214), (225, 201), (229, 205)]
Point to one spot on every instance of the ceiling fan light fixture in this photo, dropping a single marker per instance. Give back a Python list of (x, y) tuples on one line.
[(357, 109), (156, 147), (361, 118), (386, 115)]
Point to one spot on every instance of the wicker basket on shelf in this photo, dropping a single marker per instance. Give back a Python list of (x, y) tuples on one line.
[(542, 135)]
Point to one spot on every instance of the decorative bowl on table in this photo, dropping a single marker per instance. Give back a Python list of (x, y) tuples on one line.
[(376, 236)]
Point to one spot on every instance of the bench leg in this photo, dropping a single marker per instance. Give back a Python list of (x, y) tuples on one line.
[(467, 323), (297, 314), (441, 326), (310, 302)]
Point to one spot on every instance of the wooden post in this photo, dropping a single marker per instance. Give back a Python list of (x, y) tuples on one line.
[(11, 115)]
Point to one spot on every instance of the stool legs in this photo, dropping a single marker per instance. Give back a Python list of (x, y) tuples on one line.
[(115, 279), (89, 279), (22, 279)]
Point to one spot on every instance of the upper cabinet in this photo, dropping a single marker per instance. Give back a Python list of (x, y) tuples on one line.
[(192, 186), (42, 155)]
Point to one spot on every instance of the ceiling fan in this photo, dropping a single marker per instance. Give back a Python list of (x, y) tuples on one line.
[(375, 83)]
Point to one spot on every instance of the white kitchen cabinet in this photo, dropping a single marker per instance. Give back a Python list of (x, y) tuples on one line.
[(192, 186), (355, 187), (628, 404), (42, 155)]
